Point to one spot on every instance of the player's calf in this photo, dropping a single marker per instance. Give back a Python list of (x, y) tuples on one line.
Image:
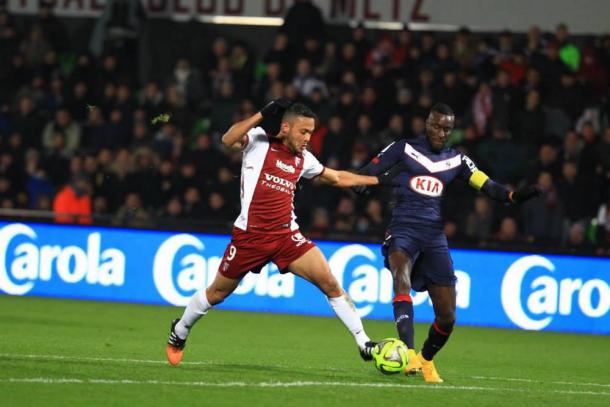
[(438, 335)]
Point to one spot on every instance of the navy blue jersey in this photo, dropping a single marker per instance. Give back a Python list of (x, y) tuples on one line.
[(424, 178)]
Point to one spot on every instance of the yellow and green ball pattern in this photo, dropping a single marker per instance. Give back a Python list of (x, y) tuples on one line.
[(391, 356)]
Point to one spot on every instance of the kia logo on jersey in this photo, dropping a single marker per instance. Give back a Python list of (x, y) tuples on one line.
[(426, 185)]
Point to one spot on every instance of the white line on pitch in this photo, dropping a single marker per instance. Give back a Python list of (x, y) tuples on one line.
[(68, 380), (515, 379), (209, 363)]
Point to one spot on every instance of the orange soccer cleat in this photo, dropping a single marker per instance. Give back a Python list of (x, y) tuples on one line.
[(414, 365), (429, 370), (175, 346)]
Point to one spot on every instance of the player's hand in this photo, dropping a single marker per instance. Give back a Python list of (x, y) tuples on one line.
[(525, 193), (275, 108)]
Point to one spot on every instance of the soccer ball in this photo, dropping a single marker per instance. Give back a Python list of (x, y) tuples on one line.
[(390, 356)]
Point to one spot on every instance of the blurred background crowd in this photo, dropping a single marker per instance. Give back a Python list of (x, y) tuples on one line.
[(78, 132)]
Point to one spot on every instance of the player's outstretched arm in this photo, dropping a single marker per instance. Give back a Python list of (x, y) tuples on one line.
[(498, 192), (346, 179), (235, 137)]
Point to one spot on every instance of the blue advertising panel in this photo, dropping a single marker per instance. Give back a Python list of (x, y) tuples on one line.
[(509, 290)]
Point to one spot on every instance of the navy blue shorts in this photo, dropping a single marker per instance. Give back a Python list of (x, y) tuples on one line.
[(429, 252)]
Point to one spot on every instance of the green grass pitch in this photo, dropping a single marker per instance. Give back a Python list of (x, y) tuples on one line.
[(60, 352)]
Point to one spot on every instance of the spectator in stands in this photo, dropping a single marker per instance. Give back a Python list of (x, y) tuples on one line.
[(281, 54), (603, 228), (217, 208), (344, 216), (505, 100), (545, 162), (304, 81), (94, 130), (572, 145), (501, 157), (604, 156), (303, 20), (375, 215), (193, 207), (480, 222), (530, 120), (320, 223), (534, 44), (62, 134), (72, 204), (571, 190), (131, 213), (28, 122), (482, 108), (101, 210), (508, 232), (35, 47), (173, 209), (543, 217), (577, 240), (568, 52)]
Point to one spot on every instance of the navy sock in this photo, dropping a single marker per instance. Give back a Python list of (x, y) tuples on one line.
[(403, 316), (437, 337)]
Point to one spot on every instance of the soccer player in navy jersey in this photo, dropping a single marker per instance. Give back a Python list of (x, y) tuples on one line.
[(415, 246)]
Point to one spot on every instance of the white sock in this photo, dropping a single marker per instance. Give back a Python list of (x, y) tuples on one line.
[(196, 308), (345, 310)]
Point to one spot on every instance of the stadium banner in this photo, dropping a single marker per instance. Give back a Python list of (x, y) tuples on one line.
[(590, 16), (498, 289)]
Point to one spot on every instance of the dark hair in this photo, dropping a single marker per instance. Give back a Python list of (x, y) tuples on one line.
[(299, 109), (442, 109)]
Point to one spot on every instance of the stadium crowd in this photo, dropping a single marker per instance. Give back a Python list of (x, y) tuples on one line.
[(80, 133)]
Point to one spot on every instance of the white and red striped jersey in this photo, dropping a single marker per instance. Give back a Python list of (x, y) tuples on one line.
[(269, 176)]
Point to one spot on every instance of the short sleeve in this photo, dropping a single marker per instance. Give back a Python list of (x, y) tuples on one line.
[(311, 166), (253, 136)]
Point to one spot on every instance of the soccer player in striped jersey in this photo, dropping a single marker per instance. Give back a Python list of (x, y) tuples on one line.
[(415, 246)]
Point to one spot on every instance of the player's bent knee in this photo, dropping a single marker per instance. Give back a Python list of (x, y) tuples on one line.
[(446, 320)]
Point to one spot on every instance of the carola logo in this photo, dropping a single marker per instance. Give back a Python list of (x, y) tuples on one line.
[(180, 269), (23, 262), (549, 296)]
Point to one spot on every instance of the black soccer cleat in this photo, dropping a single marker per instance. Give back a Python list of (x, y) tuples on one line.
[(175, 346), (366, 353)]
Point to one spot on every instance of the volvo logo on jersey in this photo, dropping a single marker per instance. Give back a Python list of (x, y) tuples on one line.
[(426, 185), (278, 183)]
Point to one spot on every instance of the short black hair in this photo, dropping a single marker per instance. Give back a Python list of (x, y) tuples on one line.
[(299, 109), (442, 108)]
